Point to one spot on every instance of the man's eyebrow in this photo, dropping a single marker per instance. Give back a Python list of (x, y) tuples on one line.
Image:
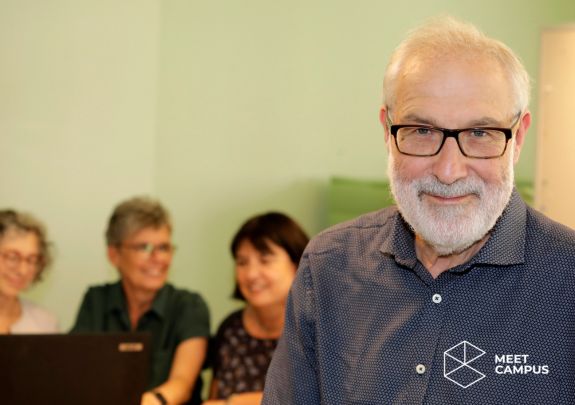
[(478, 122), (417, 119)]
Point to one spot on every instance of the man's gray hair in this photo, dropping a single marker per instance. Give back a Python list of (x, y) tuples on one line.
[(446, 37), (133, 215)]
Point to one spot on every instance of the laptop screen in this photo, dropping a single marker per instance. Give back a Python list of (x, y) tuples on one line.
[(94, 368)]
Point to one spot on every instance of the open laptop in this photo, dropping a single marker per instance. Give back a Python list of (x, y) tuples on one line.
[(86, 369)]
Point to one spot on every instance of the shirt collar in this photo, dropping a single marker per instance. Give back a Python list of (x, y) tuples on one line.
[(160, 304), (117, 300), (401, 242), (505, 246)]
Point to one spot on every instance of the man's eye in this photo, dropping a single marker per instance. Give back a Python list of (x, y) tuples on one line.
[(144, 247), (478, 133), (422, 131)]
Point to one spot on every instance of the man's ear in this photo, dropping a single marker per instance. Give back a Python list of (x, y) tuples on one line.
[(383, 120), (524, 125)]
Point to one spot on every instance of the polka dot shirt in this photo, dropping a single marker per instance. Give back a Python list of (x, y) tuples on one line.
[(367, 324), (241, 360)]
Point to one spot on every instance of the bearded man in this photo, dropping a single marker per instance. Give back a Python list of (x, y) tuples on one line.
[(459, 295)]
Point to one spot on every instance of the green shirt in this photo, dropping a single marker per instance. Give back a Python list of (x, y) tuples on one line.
[(176, 315)]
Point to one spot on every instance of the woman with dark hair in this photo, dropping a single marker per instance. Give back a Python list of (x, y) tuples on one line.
[(266, 249), (24, 256)]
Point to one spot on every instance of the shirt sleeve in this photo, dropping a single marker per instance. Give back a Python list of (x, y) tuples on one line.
[(292, 376), (194, 318), (85, 318), (35, 319), (50, 323), (216, 342)]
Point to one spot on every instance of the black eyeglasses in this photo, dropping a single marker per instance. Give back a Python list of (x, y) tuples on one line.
[(426, 140)]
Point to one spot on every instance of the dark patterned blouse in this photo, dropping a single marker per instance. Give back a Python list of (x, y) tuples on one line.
[(240, 360)]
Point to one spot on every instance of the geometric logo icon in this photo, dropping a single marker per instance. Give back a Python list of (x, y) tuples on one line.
[(456, 364)]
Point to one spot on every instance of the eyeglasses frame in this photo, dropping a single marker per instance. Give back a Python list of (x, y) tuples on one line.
[(36, 260), (452, 133), (150, 248)]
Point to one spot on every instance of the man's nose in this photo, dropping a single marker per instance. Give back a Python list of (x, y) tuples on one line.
[(450, 164)]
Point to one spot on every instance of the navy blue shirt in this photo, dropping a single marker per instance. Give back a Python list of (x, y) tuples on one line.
[(367, 324)]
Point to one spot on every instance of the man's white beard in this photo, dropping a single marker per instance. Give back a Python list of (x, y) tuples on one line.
[(450, 229)]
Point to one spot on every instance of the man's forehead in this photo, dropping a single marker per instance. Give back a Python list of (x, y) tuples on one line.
[(453, 73), (457, 92), (424, 118)]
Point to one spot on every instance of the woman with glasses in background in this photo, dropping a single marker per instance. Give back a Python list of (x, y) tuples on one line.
[(24, 256), (140, 247)]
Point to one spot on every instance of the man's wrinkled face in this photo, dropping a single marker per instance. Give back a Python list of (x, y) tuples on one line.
[(452, 201)]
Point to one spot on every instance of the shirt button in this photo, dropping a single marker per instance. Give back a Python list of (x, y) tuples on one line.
[(436, 298), (420, 369)]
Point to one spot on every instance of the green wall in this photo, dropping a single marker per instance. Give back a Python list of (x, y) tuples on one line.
[(78, 131), (262, 102), (223, 109)]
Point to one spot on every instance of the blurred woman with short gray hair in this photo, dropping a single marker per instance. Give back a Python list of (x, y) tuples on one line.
[(139, 245), (24, 256)]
